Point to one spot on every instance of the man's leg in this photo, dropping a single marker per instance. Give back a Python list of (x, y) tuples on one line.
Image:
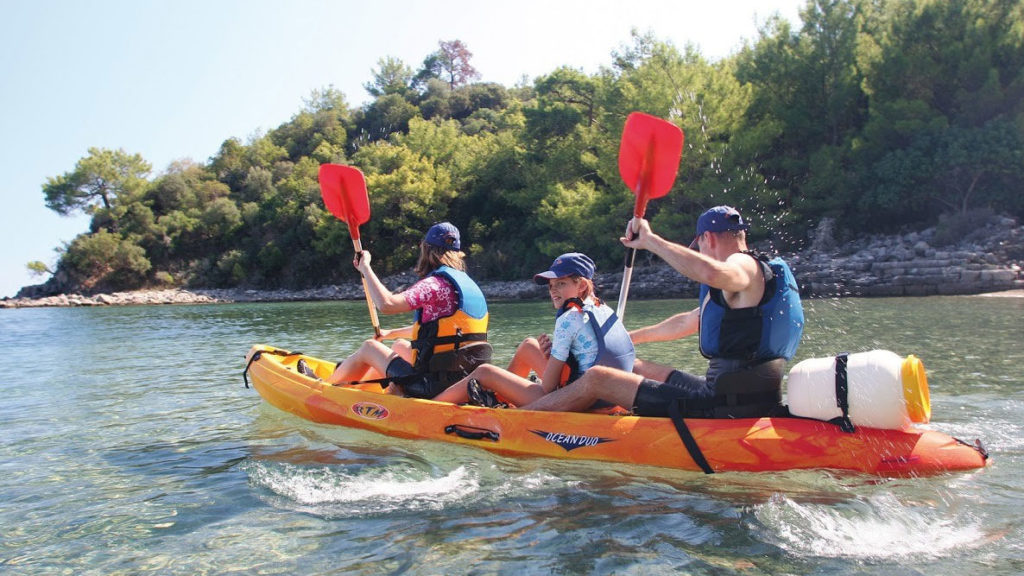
[(597, 383), (652, 370)]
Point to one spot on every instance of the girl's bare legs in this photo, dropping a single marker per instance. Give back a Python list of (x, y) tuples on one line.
[(368, 362), (513, 388), (403, 348), (531, 355)]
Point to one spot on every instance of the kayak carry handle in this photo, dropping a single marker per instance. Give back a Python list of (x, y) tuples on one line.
[(471, 432), (256, 356)]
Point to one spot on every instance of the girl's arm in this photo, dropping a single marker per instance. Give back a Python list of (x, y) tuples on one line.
[(552, 374), (383, 299), (403, 332), (565, 331)]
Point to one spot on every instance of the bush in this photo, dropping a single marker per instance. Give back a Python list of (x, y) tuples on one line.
[(105, 261), (954, 228)]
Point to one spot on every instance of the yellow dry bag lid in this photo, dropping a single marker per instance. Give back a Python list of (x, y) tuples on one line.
[(915, 390)]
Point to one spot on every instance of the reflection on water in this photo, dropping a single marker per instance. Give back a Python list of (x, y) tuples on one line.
[(131, 446)]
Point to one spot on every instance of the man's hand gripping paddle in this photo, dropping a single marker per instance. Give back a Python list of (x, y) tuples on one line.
[(344, 191), (648, 161)]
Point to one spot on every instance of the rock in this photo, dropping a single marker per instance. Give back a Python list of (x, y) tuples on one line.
[(106, 299)]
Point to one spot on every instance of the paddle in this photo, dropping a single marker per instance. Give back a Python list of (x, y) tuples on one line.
[(648, 161), (344, 191)]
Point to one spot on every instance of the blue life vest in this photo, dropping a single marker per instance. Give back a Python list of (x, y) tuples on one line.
[(772, 329), (614, 346), (444, 336)]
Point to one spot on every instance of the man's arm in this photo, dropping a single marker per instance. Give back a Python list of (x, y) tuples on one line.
[(735, 274), (672, 328)]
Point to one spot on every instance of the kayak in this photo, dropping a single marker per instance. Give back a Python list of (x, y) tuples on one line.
[(724, 445)]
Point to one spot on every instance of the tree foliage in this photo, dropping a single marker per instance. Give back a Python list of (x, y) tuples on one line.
[(451, 63), (884, 114), (103, 184)]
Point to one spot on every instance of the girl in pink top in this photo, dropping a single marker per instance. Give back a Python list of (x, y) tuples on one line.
[(432, 297)]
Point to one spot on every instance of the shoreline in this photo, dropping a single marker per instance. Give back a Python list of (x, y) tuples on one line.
[(495, 291), (987, 262), (1018, 293)]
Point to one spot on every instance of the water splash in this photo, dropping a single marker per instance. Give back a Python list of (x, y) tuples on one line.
[(331, 491), (876, 528), (360, 490)]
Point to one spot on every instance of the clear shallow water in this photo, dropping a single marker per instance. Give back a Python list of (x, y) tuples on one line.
[(130, 446)]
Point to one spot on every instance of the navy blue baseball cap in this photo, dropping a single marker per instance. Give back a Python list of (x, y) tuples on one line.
[(567, 265), (719, 219), (444, 235)]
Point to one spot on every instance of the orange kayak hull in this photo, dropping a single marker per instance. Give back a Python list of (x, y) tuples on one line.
[(728, 445)]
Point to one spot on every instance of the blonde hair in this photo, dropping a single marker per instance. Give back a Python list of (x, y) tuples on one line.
[(431, 258)]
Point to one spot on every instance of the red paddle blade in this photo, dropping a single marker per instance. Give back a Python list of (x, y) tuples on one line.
[(649, 157), (344, 191)]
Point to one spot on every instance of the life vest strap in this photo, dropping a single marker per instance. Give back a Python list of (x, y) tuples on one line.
[(459, 338)]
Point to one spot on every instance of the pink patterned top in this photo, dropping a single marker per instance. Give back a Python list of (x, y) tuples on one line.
[(434, 296)]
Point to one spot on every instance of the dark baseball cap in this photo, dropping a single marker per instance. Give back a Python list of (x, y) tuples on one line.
[(443, 235), (719, 219), (567, 265)]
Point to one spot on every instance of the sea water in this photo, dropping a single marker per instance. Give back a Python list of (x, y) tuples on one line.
[(130, 445)]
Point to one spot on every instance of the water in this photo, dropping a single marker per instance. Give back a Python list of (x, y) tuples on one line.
[(130, 446)]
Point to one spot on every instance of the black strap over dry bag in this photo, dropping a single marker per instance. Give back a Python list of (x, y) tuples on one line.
[(843, 394)]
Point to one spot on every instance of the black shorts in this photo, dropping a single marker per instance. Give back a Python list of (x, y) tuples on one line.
[(445, 371), (416, 385), (653, 398)]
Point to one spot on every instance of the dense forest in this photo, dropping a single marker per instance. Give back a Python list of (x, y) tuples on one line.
[(884, 115)]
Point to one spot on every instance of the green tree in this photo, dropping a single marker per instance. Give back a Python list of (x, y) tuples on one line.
[(38, 268), (946, 119), (807, 105), (392, 76), (100, 185), (320, 129), (450, 63), (104, 260), (387, 115), (408, 194)]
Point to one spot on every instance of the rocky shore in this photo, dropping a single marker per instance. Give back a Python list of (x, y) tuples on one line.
[(988, 260)]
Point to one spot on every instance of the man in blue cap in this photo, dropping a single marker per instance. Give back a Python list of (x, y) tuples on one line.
[(749, 322)]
